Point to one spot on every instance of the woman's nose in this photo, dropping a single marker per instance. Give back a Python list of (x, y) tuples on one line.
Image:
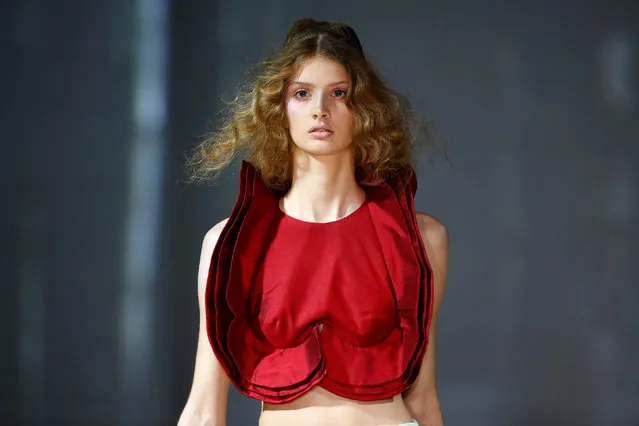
[(320, 110)]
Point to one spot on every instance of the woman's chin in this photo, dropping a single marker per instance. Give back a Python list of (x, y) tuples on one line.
[(322, 147)]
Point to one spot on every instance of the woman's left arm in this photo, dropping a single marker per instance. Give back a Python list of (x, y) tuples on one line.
[(421, 399)]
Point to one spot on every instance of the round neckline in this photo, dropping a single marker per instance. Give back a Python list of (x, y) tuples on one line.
[(342, 219)]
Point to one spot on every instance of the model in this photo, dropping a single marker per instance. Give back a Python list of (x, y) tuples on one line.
[(319, 294)]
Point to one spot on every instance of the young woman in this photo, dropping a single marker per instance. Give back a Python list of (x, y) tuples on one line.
[(319, 294)]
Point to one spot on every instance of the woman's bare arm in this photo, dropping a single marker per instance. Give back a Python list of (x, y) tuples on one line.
[(206, 405), (421, 399)]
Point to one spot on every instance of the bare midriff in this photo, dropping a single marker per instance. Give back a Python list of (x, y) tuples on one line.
[(320, 407)]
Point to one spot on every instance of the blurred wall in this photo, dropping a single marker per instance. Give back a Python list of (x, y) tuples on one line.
[(537, 103)]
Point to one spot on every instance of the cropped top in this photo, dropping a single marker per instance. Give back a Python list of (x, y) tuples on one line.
[(345, 305)]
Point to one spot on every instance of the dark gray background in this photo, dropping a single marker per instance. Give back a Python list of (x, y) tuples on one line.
[(538, 103)]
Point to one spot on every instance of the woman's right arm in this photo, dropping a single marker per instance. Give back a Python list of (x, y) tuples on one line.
[(206, 405)]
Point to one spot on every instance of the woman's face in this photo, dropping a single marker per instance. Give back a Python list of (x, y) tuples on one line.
[(319, 120)]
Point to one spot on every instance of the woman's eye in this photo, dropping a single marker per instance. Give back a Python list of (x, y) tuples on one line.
[(339, 93), (301, 94)]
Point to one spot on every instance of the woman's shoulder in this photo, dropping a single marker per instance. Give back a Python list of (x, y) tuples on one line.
[(208, 245), (212, 235), (432, 228), (435, 236)]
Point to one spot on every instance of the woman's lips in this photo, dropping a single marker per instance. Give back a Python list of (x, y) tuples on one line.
[(321, 134)]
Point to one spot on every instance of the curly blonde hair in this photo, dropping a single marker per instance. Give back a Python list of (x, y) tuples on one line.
[(384, 137)]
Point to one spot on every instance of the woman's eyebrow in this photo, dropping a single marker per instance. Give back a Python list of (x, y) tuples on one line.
[(304, 83)]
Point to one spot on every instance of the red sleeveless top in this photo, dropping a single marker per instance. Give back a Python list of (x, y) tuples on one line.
[(344, 305)]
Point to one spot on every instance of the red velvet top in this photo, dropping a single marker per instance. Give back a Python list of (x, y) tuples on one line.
[(344, 305)]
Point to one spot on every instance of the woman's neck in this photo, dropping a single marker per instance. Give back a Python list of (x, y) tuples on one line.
[(323, 188)]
